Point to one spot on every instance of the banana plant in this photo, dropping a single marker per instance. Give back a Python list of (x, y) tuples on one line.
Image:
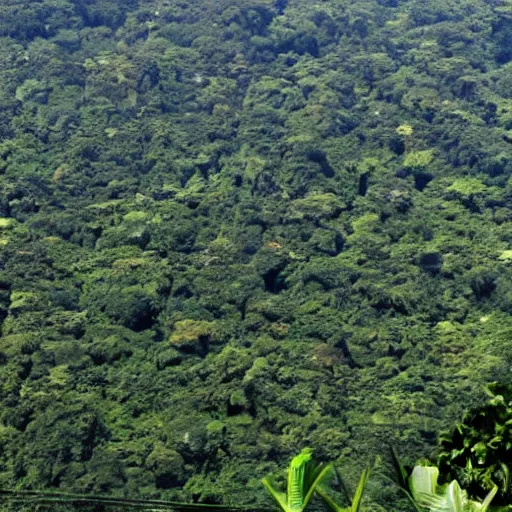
[(304, 477), (355, 502), (447, 498), (421, 487)]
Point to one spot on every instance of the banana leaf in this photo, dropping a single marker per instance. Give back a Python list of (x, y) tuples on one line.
[(423, 480), (424, 493), (355, 502), (448, 498)]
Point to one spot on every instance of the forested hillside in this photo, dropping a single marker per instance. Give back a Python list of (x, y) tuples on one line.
[(230, 229)]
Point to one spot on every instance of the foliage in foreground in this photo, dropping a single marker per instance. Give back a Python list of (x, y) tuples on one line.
[(305, 478), (426, 493), (478, 451)]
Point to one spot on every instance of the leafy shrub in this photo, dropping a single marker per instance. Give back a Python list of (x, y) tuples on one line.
[(478, 451)]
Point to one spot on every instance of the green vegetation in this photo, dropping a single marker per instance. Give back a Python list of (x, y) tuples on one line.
[(354, 502), (478, 450), (231, 229), (305, 479), (451, 497), (304, 476)]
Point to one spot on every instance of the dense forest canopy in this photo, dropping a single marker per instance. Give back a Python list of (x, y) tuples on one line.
[(231, 229)]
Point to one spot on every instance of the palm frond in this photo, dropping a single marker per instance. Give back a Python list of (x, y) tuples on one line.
[(297, 476), (358, 496), (279, 497), (320, 476), (400, 478), (400, 472), (355, 502), (342, 485), (329, 502), (304, 475)]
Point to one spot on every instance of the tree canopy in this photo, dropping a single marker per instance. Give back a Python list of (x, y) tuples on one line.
[(231, 229)]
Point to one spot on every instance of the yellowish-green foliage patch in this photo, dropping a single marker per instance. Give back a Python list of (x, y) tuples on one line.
[(24, 300), (419, 159), (318, 205), (130, 263), (467, 187), (135, 216), (506, 256), (405, 129), (7, 223), (191, 331)]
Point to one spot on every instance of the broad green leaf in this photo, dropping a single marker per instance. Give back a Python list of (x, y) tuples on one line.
[(452, 500), (423, 480)]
